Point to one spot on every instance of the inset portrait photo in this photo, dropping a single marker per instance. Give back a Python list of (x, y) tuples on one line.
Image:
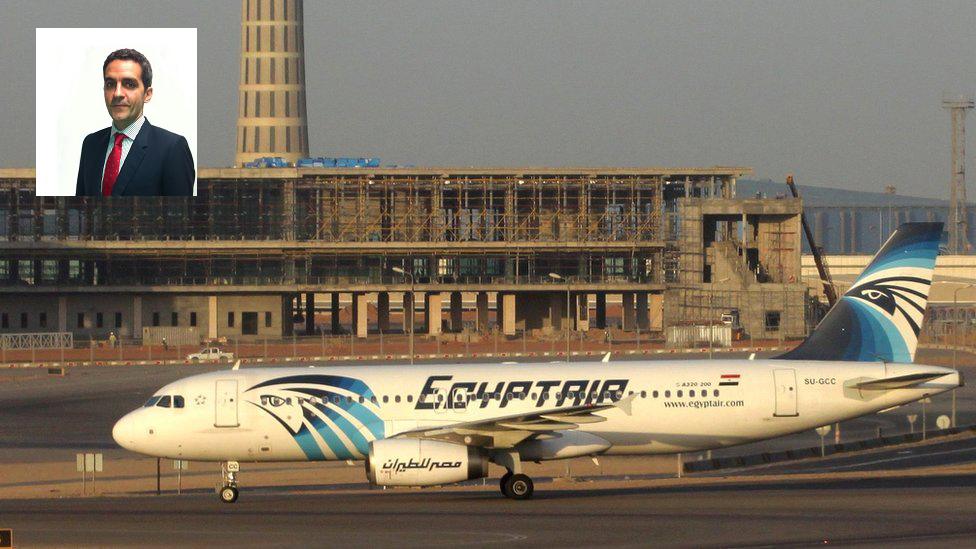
[(116, 112)]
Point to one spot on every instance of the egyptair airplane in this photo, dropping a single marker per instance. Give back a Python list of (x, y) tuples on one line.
[(438, 424)]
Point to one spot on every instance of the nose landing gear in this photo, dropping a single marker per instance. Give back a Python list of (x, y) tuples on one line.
[(228, 491)]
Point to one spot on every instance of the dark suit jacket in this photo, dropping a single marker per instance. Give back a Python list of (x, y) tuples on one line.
[(159, 163)]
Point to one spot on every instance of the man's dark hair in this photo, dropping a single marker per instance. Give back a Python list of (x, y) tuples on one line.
[(127, 54)]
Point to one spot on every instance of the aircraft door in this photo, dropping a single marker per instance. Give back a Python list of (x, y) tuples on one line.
[(225, 401), (785, 386)]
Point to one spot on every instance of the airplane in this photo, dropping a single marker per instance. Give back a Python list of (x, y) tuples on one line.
[(426, 425)]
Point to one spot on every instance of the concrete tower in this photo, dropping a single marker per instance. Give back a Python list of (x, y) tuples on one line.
[(957, 222), (271, 117)]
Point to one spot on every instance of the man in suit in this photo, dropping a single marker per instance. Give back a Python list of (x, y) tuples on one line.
[(132, 157)]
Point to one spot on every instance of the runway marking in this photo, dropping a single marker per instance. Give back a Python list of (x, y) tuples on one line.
[(836, 467)]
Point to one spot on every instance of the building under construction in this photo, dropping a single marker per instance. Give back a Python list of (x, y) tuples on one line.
[(539, 250)]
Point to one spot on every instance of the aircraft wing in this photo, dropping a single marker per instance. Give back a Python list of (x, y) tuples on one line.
[(507, 431)]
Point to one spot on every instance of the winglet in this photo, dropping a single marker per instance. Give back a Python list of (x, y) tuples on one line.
[(606, 357), (237, 365)]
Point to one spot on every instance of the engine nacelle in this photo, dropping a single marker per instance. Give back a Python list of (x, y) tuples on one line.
[(418, 462)]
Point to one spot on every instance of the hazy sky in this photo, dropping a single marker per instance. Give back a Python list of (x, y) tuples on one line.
[(841, 93)]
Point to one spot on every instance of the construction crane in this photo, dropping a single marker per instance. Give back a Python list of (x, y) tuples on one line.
[(828, 283)]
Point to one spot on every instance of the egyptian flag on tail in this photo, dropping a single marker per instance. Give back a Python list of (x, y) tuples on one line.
[(729, 380)]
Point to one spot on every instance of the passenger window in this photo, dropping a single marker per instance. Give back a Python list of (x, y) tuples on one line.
[(680, 394), (178, 401), (654, 394), (372, 399), (396, 399), (362, 400), (643, 394), (152, 401), (164, 402), (409, 398), (667, 394), (691, 393), (715, 392)]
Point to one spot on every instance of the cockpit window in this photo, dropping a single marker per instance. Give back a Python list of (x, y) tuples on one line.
[(177, 401), (165, 401), (152, 401)]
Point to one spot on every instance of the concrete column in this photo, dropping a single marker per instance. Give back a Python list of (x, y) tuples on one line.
[(432, 312), (309, 313), (335, 313), (628, 317), (601, 311), (506, 311), (643, 317), (557, 311), (457, 312), (656, 312), (582, 312), (482, 307), (63, 312), (408, 313), (383, 311), (211, 318), (360, 314)]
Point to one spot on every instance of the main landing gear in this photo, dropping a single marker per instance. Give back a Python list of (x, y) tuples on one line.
[(228, 471), (513, 484), (516, 486)]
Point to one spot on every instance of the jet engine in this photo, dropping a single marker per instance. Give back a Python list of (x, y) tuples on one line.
[(419, 462)]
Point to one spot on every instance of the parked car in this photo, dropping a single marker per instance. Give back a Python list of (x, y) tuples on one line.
[(212, 354)]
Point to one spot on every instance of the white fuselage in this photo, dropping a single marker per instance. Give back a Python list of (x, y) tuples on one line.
[(678, 406)]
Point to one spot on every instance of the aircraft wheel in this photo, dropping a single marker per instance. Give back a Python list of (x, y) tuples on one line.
[(228, 494), (502, 481), (519, 487)]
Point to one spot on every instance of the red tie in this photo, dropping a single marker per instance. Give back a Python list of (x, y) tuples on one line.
[(112, 166)]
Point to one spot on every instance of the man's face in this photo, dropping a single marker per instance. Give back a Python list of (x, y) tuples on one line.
[(124, 92)]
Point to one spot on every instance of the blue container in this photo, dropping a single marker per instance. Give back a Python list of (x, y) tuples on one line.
[(373, 162)]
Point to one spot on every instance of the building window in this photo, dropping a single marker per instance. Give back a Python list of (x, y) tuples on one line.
[(81, 320), (772, 321), (4, 269), (230, 319), (193, 318), (74, 269), (42, 320), (267, 319), (174, 319), (99, 320), (25, 270), (118, 320), (49, 270), (4, 321), (23, 320), (155, 321)]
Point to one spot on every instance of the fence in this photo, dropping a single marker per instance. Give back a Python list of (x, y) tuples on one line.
[(39, 340)]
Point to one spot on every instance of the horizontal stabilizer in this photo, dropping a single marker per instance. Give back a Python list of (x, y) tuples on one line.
[(897, 382)]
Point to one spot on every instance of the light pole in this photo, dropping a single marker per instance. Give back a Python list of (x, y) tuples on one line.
[(955, 311), (555, 276), (412, 297)]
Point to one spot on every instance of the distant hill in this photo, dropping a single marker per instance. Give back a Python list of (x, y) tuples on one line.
[(830, 197)]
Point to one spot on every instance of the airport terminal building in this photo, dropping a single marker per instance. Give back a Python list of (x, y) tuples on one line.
[(535, 250)]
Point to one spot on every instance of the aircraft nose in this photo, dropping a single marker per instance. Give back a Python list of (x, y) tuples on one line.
[(124, 432)]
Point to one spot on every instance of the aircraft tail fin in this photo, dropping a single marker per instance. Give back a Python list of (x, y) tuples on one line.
[(879, 318)]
